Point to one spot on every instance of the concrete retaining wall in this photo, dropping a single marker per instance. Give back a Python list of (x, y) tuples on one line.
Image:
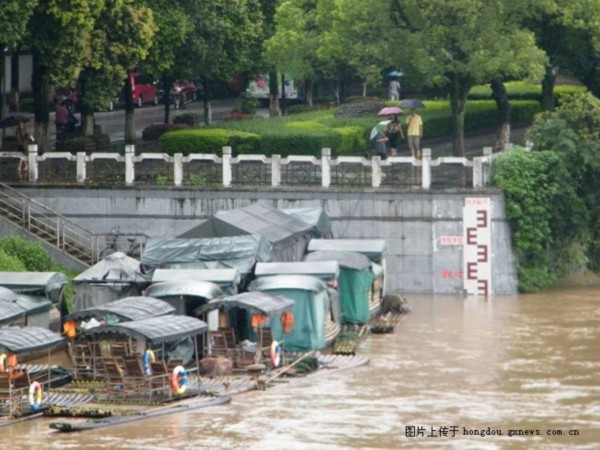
[(418, 225)]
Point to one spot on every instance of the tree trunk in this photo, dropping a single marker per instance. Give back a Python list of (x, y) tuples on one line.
[(458, 101), (364, 89), (41, 95), (129, 112), (548, 89), (500, 96), (167, 82), (274, 109), (206, 103), (14, 81), (87, 112), (3, 99), (308, 92)]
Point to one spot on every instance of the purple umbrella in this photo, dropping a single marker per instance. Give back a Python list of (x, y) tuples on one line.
[(390, 111)]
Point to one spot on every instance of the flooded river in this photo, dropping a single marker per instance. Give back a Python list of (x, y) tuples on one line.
[(459, 373)]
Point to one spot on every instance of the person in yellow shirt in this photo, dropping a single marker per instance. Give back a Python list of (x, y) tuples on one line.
[(414, 133)]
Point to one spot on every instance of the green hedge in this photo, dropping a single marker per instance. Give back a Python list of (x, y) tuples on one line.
[(33, 256), (522, 90), (308, 133)]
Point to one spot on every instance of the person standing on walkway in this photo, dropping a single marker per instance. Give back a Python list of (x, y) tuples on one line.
[(394, 89), (414, 123), (23, 140), (393, 130)]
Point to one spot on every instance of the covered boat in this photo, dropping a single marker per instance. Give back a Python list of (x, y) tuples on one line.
[(36, 308), (316, 325), (317, 217), (354, 283), (114, 277), (288, 235), (374, 249), (49, 285)]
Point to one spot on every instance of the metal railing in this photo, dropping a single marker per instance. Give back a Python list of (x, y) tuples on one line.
[(160, 169), (55, 229)]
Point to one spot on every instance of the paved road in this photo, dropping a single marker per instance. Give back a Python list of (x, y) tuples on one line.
[(113, 123)]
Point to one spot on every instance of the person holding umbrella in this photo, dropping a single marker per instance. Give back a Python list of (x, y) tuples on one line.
[(393, 130)]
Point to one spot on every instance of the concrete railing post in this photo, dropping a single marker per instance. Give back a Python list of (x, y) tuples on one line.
[(486, 169), (32, 152), (426, 168), (276, 170), (129, 169), (81, 168), (376, 171), (226, 166), (479, 164), (178, 169), (325, 167)]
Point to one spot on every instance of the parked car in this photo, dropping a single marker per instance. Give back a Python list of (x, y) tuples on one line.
[(145, 90)]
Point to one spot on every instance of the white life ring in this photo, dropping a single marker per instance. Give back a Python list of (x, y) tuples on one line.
[(275, 353), (35, 396)]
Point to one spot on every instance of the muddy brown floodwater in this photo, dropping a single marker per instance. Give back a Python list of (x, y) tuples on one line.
[(518, 372)]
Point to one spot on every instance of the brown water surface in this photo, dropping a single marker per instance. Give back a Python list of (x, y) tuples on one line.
[(454, 369)]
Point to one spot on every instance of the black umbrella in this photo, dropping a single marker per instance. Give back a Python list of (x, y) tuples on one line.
[(11, 121), (411, 103)]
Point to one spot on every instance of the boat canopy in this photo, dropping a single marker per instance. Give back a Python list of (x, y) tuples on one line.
[(288, 235), (10, 311), (234, 252), (324, 270), (114, 277), (33, 304), (204, 289), (317, 217), (23, 340), (262, 302), (48, 284), (154, 330), (312, 307), (300, 282), (374, 249), (346, 260), (127, 309), (227, 279)]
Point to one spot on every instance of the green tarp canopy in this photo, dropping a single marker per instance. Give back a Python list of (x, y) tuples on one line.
[(310, 310), (354, 283), (184, 296), (47, 284), (227, 279), (23, 340)]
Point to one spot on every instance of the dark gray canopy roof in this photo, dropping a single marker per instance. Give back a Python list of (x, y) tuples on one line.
[(21, 340), (128, 308), (7, 295), (325, 270), (273, 224), (48, 284), (114, 268), (155, 329), (33, 304), (10, 311), (374, 249), (263, 302), (302, 282), (346, 260), (238, 252), (204, 289), (317, 217)]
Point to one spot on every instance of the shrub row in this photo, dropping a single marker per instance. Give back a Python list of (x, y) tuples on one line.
[(308, 133)]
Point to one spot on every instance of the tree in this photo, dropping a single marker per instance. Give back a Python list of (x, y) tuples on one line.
[(223, 42), (14, 17), (121, 37), (459, 43), (59, 35)]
